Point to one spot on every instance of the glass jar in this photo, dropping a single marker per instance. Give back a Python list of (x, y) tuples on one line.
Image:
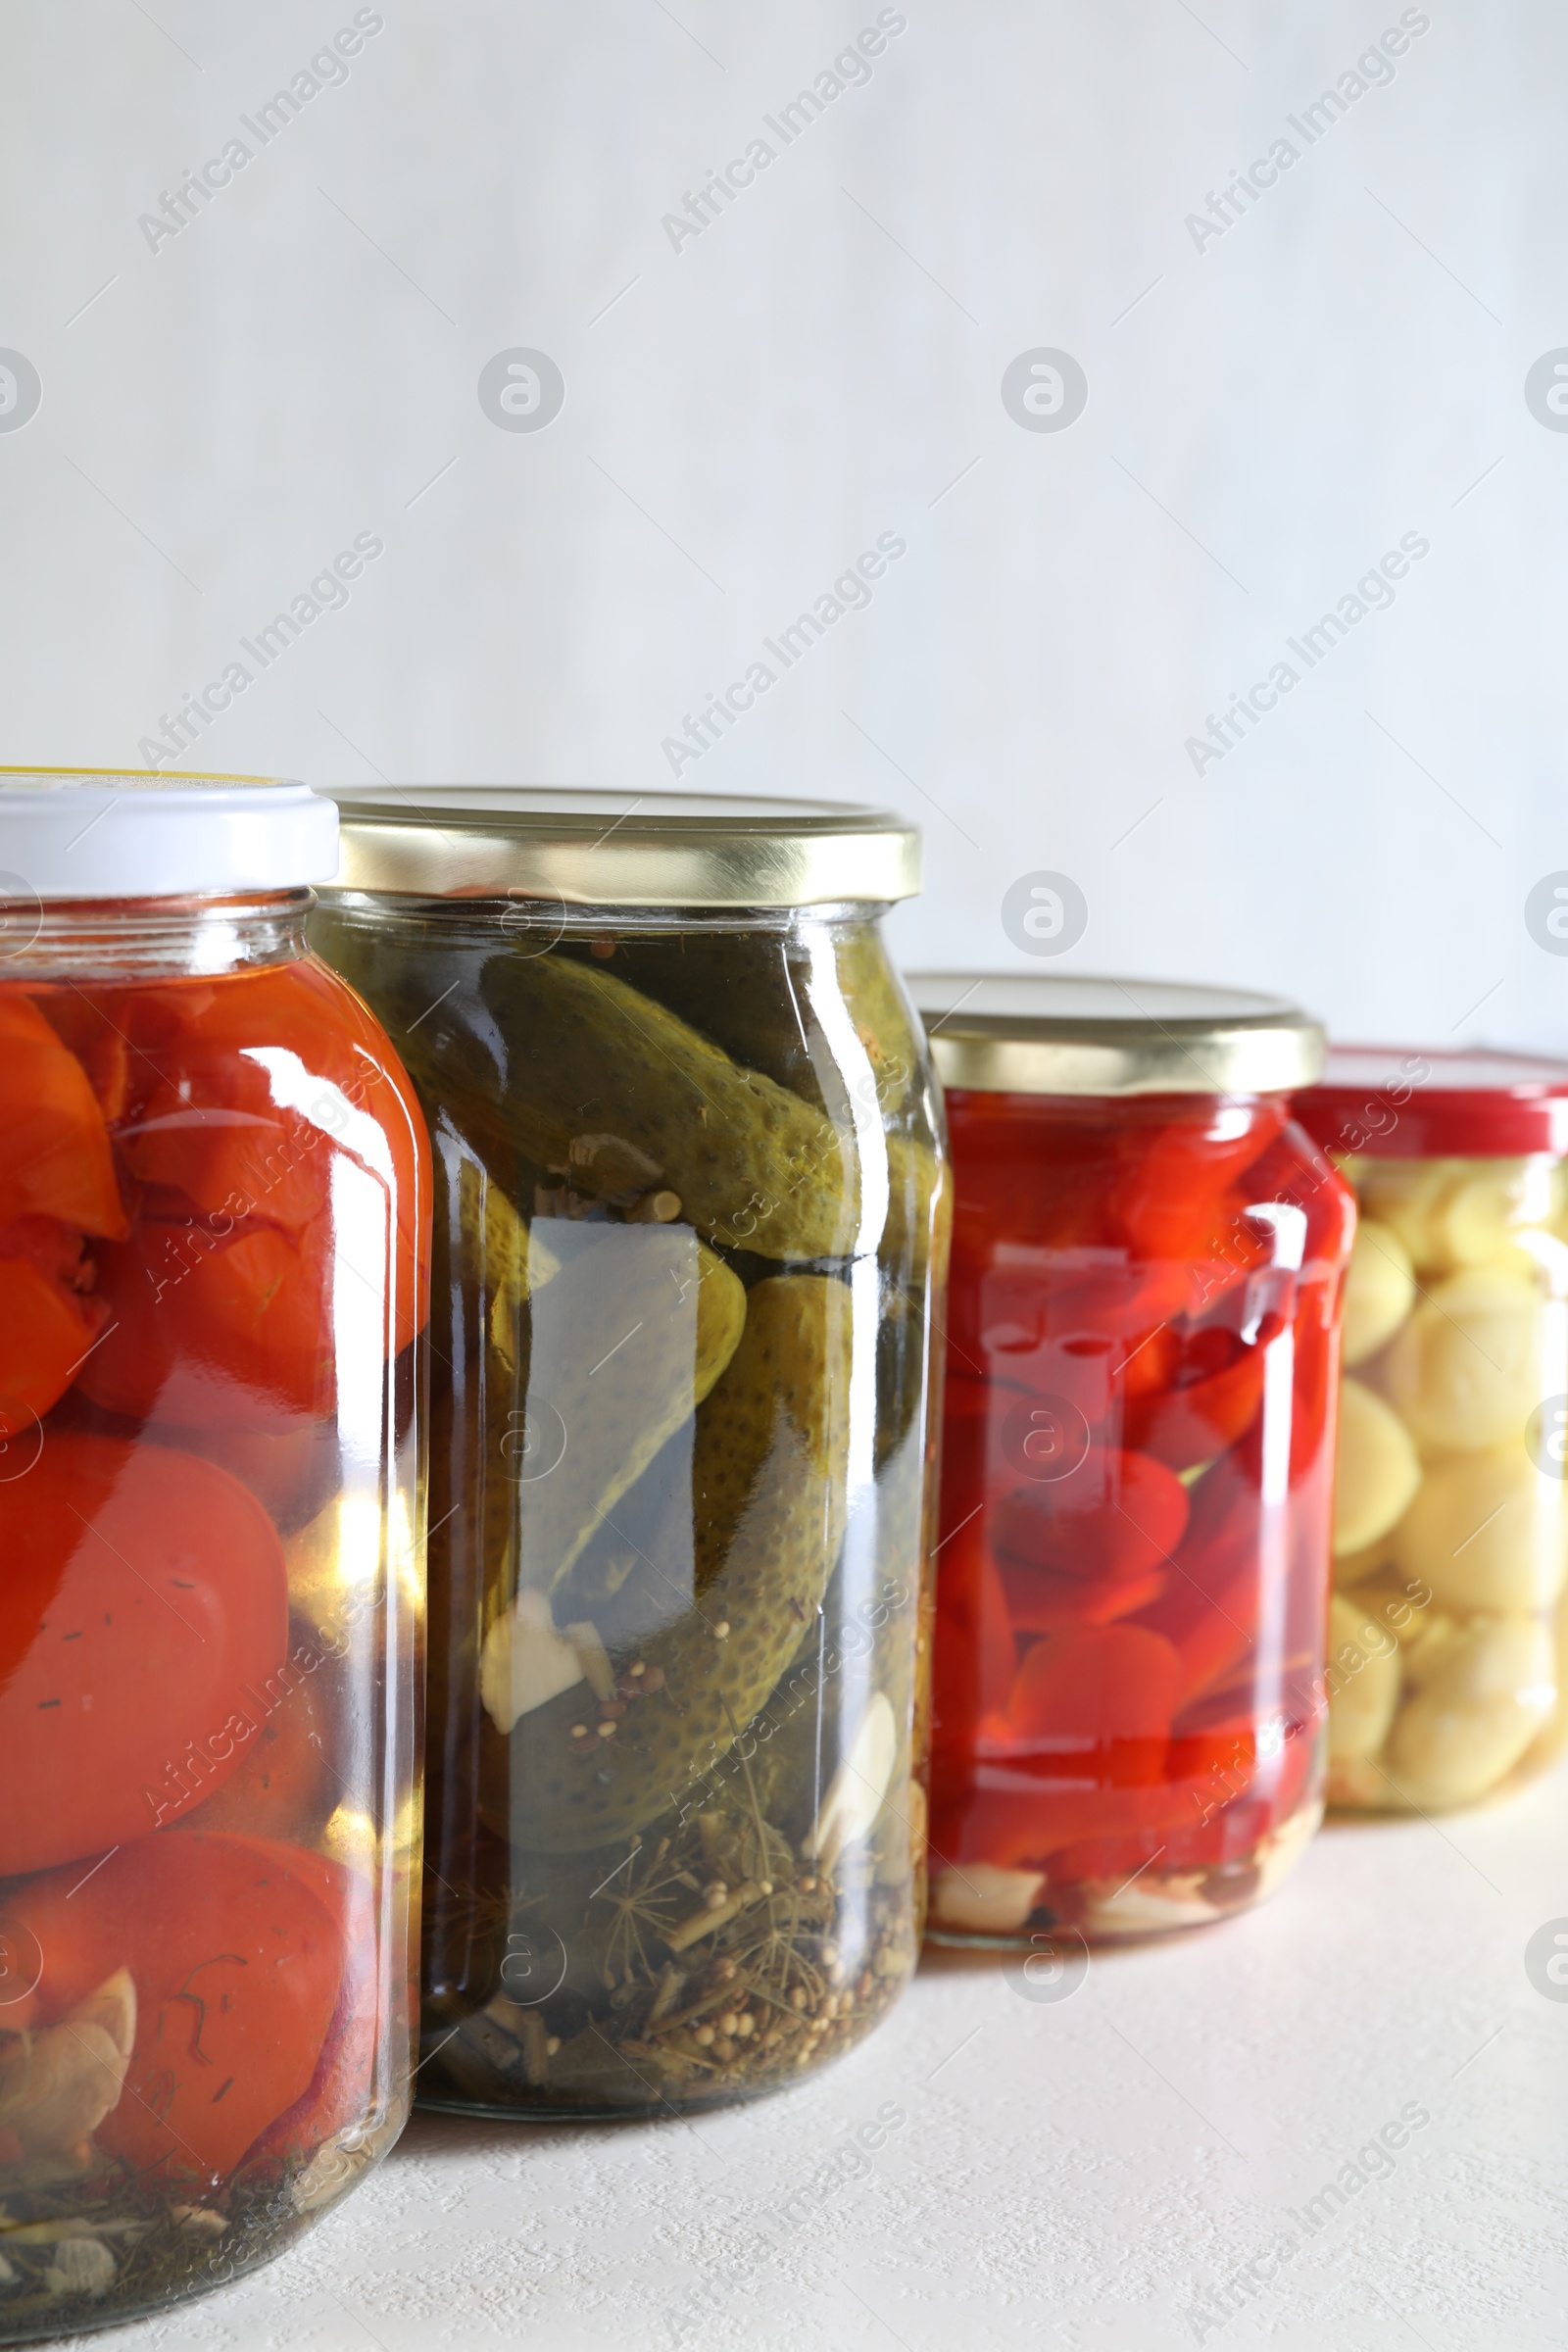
[(1133, 1563), (690, 1225), (1447, 1648), (214, 1250)]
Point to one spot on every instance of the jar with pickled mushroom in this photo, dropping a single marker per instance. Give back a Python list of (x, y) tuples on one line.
[(1448, 1629), (1142, 1345), (214, 1266), (690, 1226)]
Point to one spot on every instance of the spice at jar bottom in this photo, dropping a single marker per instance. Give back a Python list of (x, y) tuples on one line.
[(1143, 1331), (690, 1217)]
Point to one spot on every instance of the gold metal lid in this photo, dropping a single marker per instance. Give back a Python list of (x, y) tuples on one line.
[(608, 849), (1037, 1033)]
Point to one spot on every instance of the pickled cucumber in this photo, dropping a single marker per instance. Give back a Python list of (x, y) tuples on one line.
[(885, 1022), (919, 1222), (633, 1577), (469, 1067), (862, 1646), (628, 1340), (753, 1165), (511, 1259), (755, 993), (770, 1505), (599, 1087)]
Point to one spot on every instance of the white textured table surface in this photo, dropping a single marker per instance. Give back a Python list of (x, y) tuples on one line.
[(1073, 2171)]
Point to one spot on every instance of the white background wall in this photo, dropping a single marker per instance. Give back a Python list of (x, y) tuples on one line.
[(744, 416)]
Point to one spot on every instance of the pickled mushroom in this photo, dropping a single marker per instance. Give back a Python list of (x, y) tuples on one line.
[(1377, 1472), (1473, 1361), (1364, 1678), (1355, 1567), (1450, 1213), (1436, 1640), (1474, 1720), (1486, 1531), (1379, 1290)]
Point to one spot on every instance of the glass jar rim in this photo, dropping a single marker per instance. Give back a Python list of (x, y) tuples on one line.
[(1072, 1033), (608, 849), (113, 943)]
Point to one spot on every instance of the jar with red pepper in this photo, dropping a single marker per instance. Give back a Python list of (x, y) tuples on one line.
[(1142, 1353), (214, 1242)]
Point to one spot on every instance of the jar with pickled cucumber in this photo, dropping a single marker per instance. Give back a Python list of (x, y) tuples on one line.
[(213, 1270), (1128, 1722), (691, 1221), (1448, 1634)]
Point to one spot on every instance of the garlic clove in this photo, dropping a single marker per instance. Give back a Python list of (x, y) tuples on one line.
[(855, 1792), (58, 2083), (592, 1658), (524, 1661), (983, 1899)]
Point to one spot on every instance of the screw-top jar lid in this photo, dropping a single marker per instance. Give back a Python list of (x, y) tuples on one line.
[(92, 833), (1038, 1033), (1402, 1102), (609, 849)]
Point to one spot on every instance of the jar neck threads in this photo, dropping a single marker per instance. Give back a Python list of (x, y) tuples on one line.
[(112, 939)]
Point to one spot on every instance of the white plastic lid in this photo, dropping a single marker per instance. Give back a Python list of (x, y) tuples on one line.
[(90, 833)]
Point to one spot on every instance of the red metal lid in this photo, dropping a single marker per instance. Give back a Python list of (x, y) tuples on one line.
[(1399, 1103)]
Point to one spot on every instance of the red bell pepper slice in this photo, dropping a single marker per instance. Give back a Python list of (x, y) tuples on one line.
[(1215, 1395), (975, 1656), (1168, 1181), (1101, 1696), (1022, 1827), (1114, 1516), (1224, 1568), (1042, 1602)]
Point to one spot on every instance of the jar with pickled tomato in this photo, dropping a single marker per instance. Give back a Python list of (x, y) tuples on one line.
[(1448, 1652), (214, 1250), (1128, 1714)]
